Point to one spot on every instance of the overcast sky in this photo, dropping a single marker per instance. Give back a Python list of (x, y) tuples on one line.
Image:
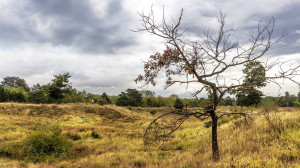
[(91, 39)]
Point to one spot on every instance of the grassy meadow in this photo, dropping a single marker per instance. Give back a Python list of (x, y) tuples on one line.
[(111, 136)]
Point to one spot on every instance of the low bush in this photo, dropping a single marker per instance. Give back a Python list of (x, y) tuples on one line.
[(73, 136), (129, 107), (207, 124), (268, 105), (95, 135), (153, 112), (296, 103), (178, 104), (44, 144)]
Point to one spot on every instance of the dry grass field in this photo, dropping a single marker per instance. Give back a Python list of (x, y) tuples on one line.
[(111, 136)]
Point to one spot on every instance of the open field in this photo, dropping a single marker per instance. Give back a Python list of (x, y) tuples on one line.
[(111, 136)]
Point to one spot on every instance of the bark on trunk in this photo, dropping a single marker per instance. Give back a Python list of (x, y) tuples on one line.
[(214, 136)]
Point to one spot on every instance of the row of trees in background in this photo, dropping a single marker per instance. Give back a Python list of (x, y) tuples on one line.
[(60, 90)]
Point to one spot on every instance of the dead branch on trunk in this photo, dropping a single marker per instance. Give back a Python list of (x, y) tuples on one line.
[(160, 129)]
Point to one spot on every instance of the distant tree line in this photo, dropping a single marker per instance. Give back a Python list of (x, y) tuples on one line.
[(60, 90)]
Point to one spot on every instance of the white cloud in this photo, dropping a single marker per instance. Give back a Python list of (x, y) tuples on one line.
[(97, 46)]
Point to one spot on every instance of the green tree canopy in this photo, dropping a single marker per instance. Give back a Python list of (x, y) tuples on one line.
[(249, 96), (62, 80), (255, 74), (147, 93), (131, 97), (228, 101), (254, 78), (39, 94), (178, 104), (105, 98), (3, 94), (14, 81), (173, 96), (287, 100)]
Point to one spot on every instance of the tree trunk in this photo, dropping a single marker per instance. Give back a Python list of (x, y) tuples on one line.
[(214, 136)]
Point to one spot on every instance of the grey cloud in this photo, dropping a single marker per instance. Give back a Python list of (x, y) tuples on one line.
[(287, 19), (53, 36), (71, 23)]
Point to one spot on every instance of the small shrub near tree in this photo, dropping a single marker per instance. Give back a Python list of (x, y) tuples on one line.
[(208, 124)]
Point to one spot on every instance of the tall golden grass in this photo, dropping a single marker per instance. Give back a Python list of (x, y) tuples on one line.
[(111, 136)]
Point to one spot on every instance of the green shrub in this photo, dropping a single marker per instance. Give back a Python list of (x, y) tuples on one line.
[(140, 163), (44, 144), (208, 124), (296, 103), (12, 150), (73, 136), (268, 105), (179, 147), (224, 120), (95, 135), (178, 104), (153, 112), (238, 122)]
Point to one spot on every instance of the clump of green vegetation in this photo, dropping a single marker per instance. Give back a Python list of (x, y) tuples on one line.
[(238, 122), (95, 135), (268, 105), (44, 144), (224, 120), (73, 136), (178, 104), (139, 163), (153, 112), (208, 124), (296, 103)]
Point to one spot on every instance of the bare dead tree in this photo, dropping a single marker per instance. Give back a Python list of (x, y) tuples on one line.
[(206, 60)]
